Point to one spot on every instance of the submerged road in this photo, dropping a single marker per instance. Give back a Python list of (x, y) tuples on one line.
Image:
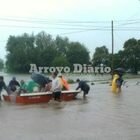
[(101, 116)]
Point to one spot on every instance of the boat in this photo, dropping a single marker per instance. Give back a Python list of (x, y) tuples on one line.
[(40, 97)]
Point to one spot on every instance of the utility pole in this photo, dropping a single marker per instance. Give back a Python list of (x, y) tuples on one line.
[(112, 32)]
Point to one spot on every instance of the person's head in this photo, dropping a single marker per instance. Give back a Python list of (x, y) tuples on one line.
[(54, 74), (22, 82), (1, 78), (14, 78), (78, 80), (116, 76)]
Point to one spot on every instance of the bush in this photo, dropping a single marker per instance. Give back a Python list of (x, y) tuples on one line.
[(70, 81)]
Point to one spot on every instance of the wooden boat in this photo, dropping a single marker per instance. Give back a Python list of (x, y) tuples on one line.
[(40, 97)]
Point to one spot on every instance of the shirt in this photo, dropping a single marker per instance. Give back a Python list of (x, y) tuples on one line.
[(56, 85), (83, 85), (2, 85), (13, 83)]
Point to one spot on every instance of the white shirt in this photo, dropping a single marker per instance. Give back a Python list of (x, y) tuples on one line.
[(56, 85)]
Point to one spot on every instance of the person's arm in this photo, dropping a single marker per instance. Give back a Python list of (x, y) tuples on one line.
[(6, 88), (17, 83), (79, 86), (10, 84)]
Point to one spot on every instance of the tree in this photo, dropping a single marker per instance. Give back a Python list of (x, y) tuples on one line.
[(101, 56), (19, 53), (77, 53), (132, 54), (60, 61), (61, 45), (118, 60), (43, 50), (1, 64)]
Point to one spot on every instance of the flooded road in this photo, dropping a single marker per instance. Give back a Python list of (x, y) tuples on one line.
[(101, 116)]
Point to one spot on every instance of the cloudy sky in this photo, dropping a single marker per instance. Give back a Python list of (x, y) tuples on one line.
[(86, 21)]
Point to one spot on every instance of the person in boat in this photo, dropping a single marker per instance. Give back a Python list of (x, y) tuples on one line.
[(29, 87), (23, 87), (83, 86), (64, 83), (48, 86), (56, 87), (13, 84), (41, 80), (3, 86)]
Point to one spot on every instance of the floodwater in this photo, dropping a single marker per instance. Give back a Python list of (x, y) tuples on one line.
[(88, 77), (101, 116)]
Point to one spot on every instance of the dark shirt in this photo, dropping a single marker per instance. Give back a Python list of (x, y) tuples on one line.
[(2, 85), (83, 85), (14, 83), (119, 81)]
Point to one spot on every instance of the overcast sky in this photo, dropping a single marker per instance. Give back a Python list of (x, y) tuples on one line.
[(86, 21)]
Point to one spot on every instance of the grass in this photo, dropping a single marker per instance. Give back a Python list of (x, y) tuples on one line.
[(131, 76)]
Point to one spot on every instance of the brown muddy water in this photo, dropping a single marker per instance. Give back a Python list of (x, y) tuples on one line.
[(101, 116)]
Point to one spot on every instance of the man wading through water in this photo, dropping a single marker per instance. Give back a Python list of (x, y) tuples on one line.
[(56, 87), (83, 86), (2, 86)]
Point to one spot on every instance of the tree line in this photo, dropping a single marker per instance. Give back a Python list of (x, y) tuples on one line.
[(127, 58), (44, 50)]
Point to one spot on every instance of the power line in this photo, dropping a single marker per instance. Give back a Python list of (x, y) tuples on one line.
[(27, 19), (60, 24), (46, 21), (71, 25)]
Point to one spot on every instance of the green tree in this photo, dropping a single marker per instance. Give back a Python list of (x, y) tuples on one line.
[(1, 64), (43, 50), (118, 60), (101, 56), (26, 49), (61, 45), (77, 53), (19, 51), (60, 61), (132, 54)]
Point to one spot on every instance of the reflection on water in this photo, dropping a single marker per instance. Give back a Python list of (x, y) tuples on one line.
[(101, 116)]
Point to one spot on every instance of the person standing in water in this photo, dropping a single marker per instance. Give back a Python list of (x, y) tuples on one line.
[(13, 84), (56, 87), (83, 86), (117, 83), (2, 86)]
